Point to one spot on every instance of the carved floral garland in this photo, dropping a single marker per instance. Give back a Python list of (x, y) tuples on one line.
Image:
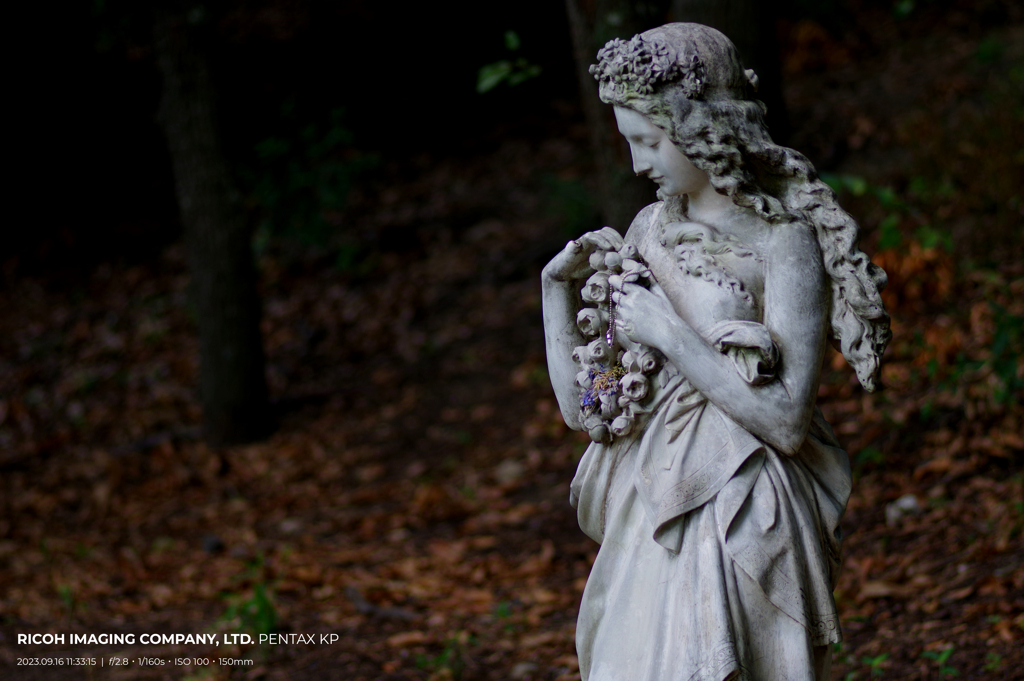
[(640, 65), (613, 370)]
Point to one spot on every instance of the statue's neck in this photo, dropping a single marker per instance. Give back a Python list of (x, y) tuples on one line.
[(709, 207), (719, 213)]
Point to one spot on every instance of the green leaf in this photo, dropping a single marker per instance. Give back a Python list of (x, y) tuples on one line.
[(854, 184), (903, 8), (512, 41), (994, 662), (930, 237), (887, 197), (857, 185), (989, 50), (875, 663), (870, 455), (890, 234), (273, 147), (491, 75), (526, 73)]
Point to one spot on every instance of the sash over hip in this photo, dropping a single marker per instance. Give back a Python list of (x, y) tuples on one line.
[(690, 450)]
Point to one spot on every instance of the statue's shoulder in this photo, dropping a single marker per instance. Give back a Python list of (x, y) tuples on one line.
[(794, 241), (642, 224)]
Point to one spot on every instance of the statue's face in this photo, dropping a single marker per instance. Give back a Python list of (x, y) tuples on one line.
[(655, 156)]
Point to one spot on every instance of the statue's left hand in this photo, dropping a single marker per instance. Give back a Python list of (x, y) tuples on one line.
[(573, 262), (645, 316)]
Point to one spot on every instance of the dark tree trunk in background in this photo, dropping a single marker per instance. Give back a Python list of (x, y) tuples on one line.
[(750, 24), (223, 279), (593, 23)]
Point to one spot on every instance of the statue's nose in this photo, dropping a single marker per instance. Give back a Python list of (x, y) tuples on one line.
[(641, 164)]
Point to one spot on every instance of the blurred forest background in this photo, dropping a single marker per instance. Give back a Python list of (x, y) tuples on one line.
[(400, 172)]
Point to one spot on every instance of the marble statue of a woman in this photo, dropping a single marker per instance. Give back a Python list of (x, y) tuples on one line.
[(691, 351)]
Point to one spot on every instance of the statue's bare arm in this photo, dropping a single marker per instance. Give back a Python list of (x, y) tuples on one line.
[(560, 297), (796, 309)]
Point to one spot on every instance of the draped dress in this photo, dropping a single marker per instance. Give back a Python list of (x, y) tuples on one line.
[(718, 552)]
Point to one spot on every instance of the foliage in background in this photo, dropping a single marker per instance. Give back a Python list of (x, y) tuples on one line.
[(902, 215), (252, 611), (953, 366), (508, 71), (941, 658), (300, 179), (450, 663)]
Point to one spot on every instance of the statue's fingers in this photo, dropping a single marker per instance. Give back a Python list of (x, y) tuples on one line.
[(628, 287), (606, 239), (589, 242), (613, 236), (596, 240)]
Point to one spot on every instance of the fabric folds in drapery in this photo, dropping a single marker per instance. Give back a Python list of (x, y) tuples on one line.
[(718, 552)]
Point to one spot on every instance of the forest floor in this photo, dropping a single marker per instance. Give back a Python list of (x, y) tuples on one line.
[(414, 498)]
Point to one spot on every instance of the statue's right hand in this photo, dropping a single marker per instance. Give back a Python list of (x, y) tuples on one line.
[(573, 262)]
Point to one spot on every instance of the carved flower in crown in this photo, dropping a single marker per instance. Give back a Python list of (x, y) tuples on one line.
[(640, 65)]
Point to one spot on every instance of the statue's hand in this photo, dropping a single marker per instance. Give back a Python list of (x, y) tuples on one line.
[(573, 262), (645, 316)]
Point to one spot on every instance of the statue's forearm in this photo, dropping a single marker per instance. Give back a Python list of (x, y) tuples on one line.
[(561, 336), (778, 412)]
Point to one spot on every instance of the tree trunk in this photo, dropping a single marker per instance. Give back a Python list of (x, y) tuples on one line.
[(593, 23), (750, 25), (232, 383)]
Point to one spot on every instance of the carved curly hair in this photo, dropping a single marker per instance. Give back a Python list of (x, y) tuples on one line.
[(721, 130)]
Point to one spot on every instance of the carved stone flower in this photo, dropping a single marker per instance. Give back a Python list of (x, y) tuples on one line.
[(642, 64), (591, 322), (634, 385), (596, 428), (599, 351), (622, 425), (596, 288), (648, 361)]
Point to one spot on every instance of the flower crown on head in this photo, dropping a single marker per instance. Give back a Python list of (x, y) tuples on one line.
[(640, 65)]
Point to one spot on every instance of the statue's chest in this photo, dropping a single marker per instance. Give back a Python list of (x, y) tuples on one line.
[(722, 279)]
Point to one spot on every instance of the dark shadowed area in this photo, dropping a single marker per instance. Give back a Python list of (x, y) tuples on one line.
[(413, 497)]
